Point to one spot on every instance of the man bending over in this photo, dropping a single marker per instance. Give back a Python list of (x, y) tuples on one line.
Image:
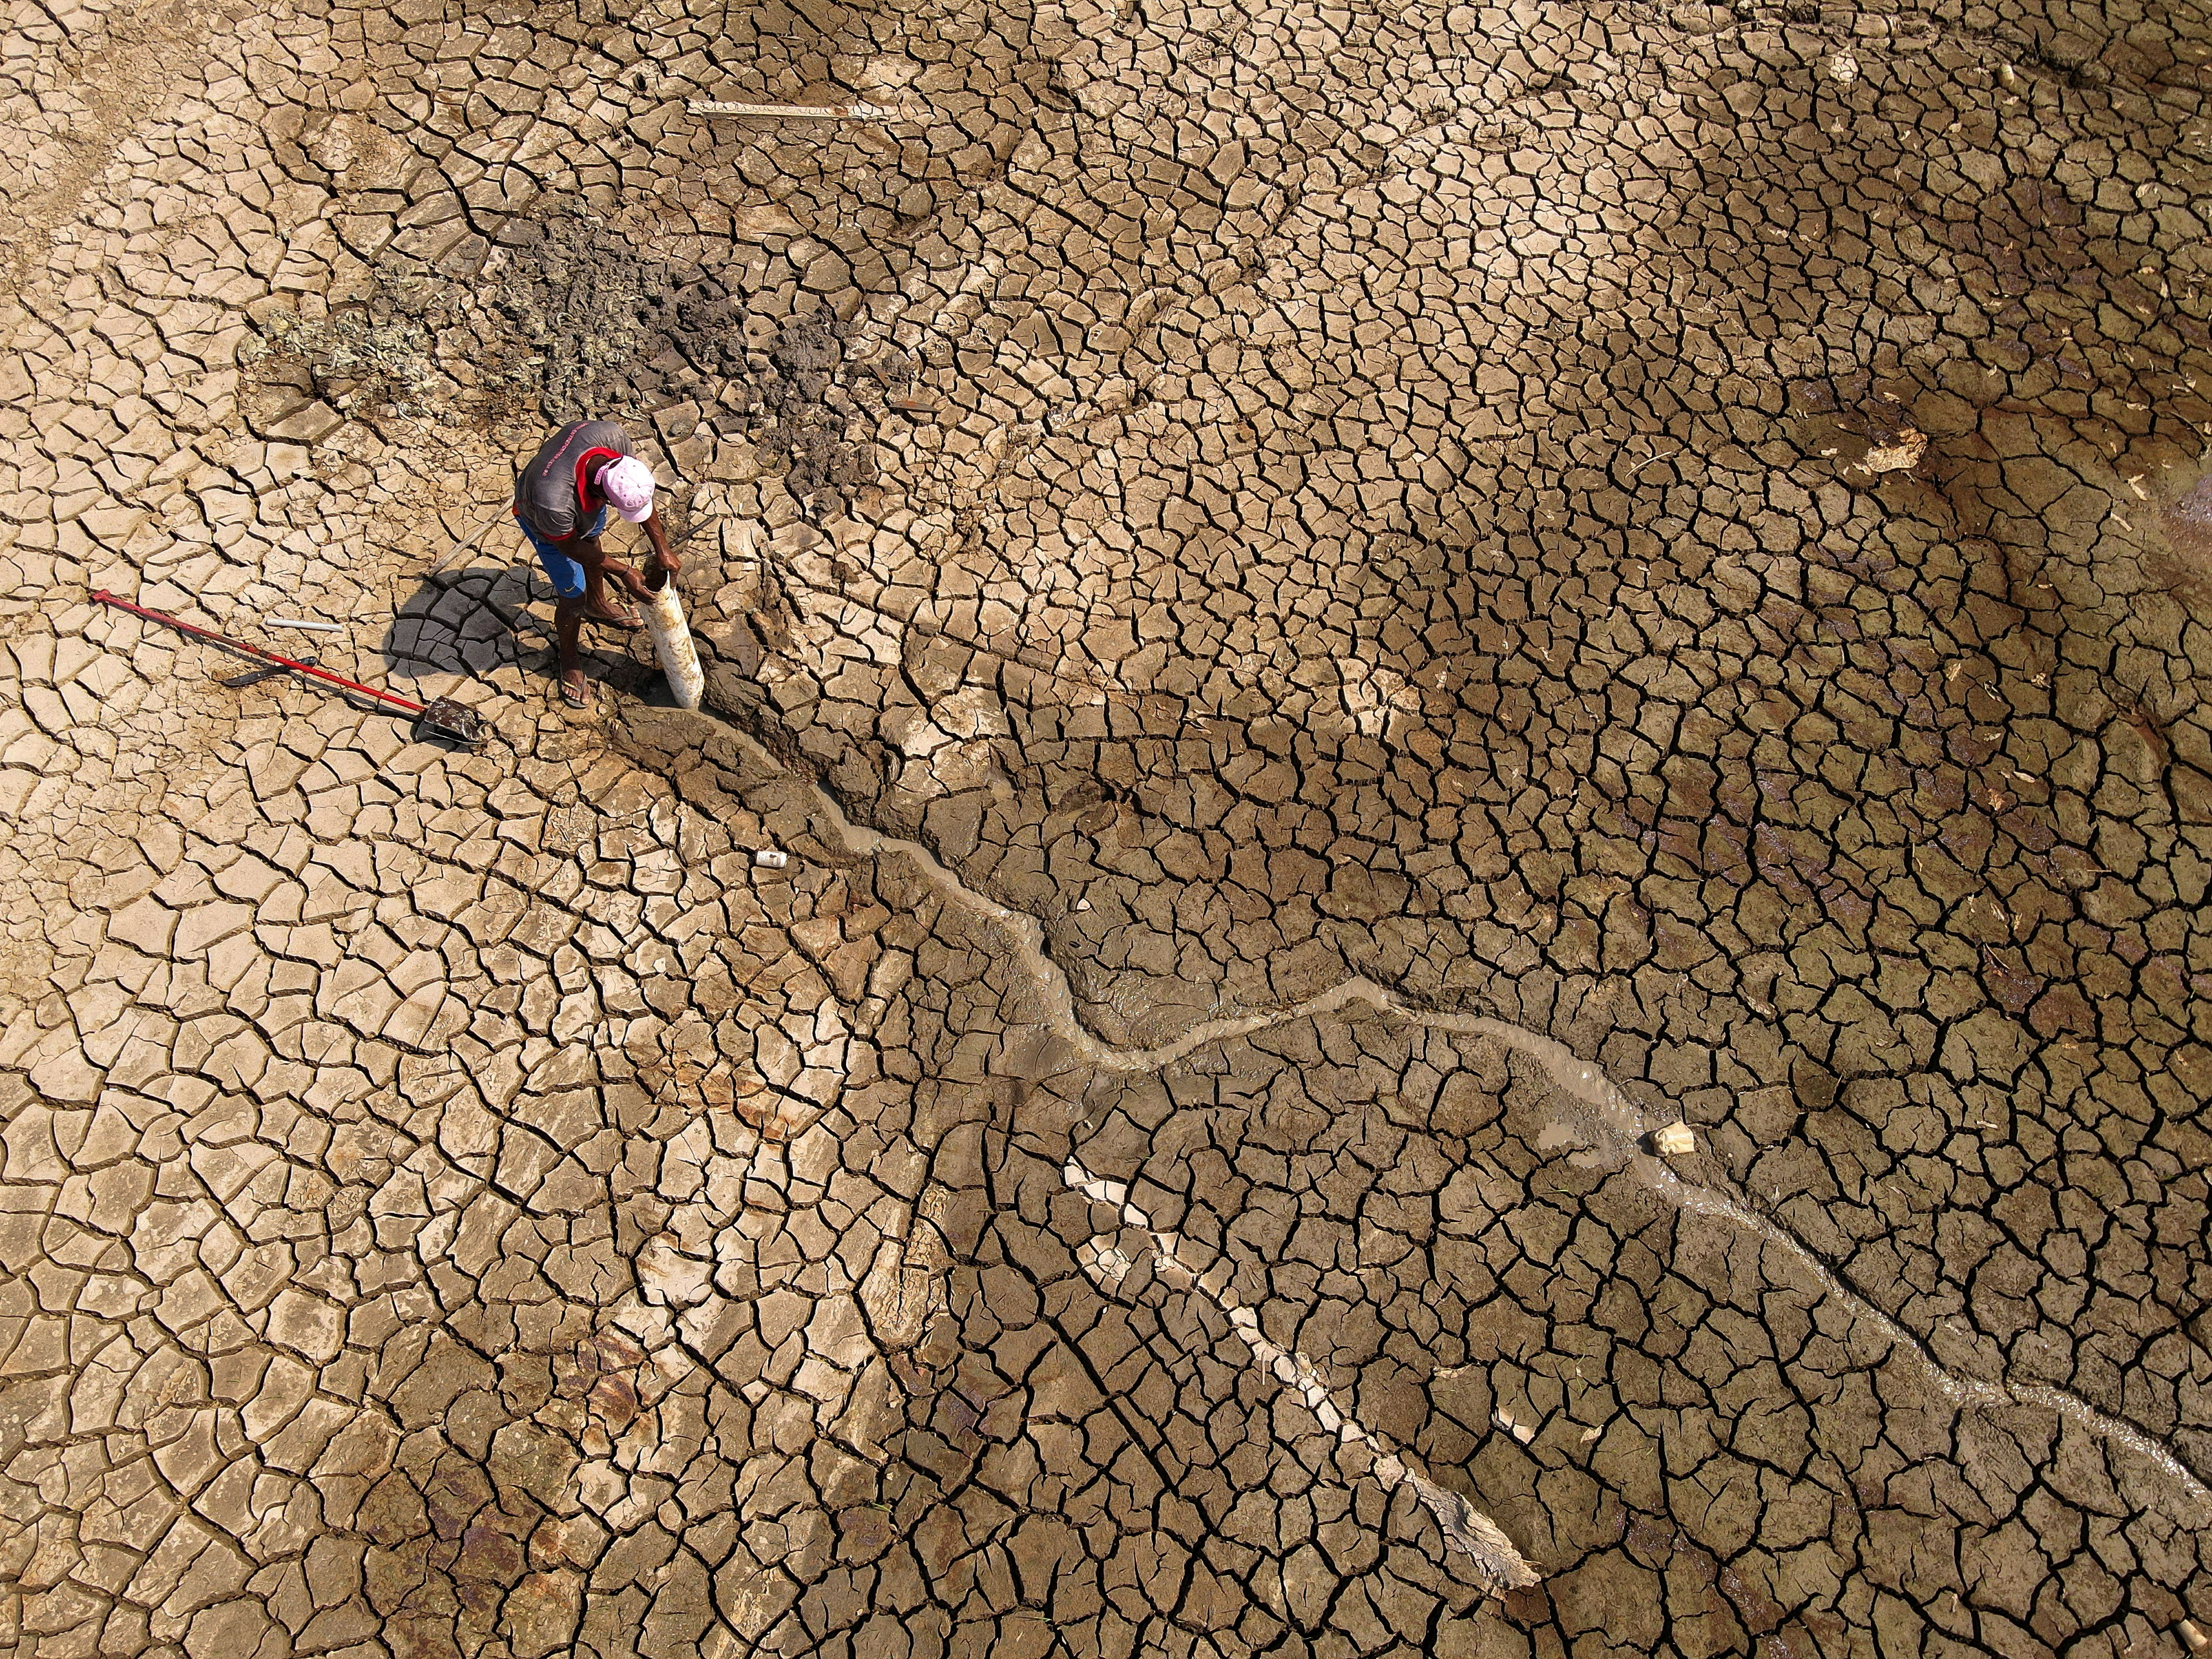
[(560, 501)]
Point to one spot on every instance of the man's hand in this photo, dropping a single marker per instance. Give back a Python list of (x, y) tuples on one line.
[(629, 578)]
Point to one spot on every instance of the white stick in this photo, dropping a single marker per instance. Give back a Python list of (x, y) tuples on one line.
[(298, 622), (803, 111), (455, 554), (671, 641)]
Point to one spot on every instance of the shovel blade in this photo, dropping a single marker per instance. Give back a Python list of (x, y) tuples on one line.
[(454, 720)]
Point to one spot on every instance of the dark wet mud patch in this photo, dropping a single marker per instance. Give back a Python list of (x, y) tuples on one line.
[(563, 319)]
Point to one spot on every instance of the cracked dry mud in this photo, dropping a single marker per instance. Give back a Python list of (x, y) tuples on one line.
[(1341, 612)]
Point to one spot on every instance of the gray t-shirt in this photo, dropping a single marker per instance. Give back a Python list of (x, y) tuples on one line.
[(546, 494)]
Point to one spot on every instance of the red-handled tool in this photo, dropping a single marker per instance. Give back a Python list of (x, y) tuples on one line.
[(442, 715)]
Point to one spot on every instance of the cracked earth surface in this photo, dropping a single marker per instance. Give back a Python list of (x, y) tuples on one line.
[(1339, 612)]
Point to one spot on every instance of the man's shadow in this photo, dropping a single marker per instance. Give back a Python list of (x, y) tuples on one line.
[(490, 613)]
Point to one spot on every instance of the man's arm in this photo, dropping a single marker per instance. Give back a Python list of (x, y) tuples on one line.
[(661, 556), (588, 552)]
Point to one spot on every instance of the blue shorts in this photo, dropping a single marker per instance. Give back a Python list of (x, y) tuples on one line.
[(565, 574)]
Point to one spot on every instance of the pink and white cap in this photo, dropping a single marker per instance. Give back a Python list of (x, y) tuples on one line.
[(628, 486)]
